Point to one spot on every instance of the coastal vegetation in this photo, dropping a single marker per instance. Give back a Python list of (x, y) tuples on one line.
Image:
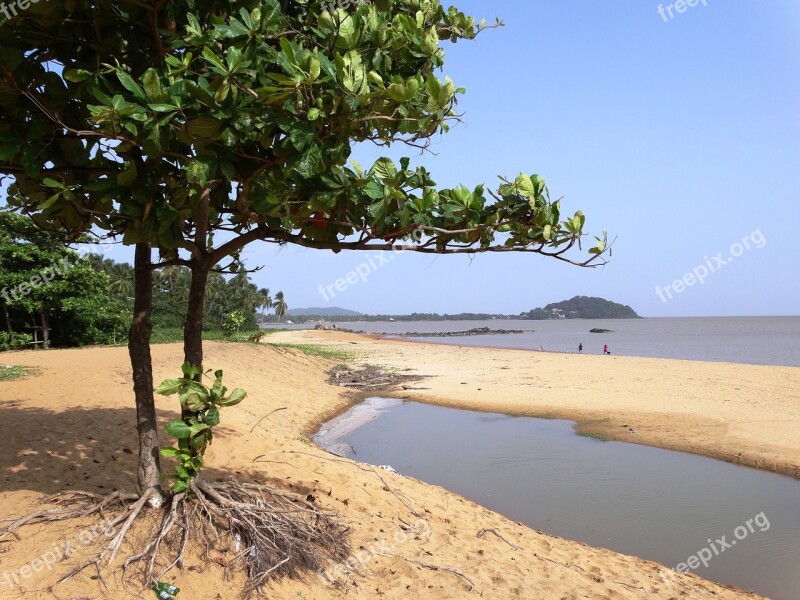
[(191, 130), (48, 290), (68, 300)]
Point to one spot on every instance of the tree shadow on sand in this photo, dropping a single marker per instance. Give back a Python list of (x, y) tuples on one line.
[(94, 451), (89, 449)]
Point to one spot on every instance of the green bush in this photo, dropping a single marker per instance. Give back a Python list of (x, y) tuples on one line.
[(21, 341)]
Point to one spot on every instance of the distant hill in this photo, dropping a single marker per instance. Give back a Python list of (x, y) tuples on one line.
[(332, 311), (582, 307)]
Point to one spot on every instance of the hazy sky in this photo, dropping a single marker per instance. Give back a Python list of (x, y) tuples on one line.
[(681, 137)]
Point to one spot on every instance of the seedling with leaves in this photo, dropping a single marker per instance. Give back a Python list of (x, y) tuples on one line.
[(194, 433)]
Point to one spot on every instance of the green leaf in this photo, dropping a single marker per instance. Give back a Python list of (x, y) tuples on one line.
[(169, 387), (9, 150), (128, 178), (129, 84), (197, 428), (525, 187), (235, 398), (212, 417), (194, 402), (178, 429), (170, 452), (214, 60), (311, 162), (77, 75), (375, 79), (179, 486), (206, 128), (190, 371), (398, 92), (163, 107), (52, 183), (385, 169), (152, 87)]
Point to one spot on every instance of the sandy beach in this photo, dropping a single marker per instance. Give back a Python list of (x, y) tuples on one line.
[(72, 427)]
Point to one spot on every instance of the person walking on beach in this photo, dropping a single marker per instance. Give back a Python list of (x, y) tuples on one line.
[(580, 348), (605, 349)]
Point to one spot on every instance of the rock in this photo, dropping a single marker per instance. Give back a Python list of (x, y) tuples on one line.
[(600, 330), (470, 332)]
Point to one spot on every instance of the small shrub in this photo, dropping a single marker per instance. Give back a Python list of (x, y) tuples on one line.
[(257, 336), (194, 433), (20, 341)]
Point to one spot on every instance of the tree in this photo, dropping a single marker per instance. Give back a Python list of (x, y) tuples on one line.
[(266, 300), (280, 306), (46, 285), (198, 128)]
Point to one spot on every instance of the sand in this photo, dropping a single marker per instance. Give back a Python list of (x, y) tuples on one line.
[(72, 426)]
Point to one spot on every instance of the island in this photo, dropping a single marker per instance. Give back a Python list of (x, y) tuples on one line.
[(582, 307)]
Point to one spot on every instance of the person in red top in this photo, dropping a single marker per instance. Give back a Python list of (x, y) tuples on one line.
[(605, 349)]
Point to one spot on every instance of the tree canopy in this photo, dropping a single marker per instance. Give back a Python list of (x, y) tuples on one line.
[(170, 122), (199, 126)]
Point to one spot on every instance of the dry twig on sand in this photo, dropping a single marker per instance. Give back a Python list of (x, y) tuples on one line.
[(483, 532), (433, 567)]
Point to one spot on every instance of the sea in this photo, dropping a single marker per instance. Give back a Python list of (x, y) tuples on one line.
[(746, 340)]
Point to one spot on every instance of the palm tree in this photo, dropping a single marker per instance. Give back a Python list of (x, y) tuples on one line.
[(120, 281), (280, 306), (266, 299), (218, 300)]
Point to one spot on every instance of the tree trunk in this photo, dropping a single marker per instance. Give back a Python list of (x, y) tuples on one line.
[(45, 330), (149, 471), (193, 327), (8, 324)]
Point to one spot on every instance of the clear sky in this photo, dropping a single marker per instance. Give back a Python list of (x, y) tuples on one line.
[(680, 136)]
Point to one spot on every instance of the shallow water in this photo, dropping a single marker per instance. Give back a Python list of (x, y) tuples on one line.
[(657, 504)]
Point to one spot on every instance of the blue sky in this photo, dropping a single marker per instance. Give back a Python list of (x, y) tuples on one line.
[(681, 138)]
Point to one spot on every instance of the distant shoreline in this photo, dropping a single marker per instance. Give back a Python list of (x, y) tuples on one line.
[(741, 340)]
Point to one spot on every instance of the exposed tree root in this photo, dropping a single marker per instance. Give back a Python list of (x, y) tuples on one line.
[(270, 533)]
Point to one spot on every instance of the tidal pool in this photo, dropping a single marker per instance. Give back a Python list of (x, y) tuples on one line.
[(657, 504)]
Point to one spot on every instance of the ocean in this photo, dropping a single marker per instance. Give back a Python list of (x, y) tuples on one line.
[(748, 340)]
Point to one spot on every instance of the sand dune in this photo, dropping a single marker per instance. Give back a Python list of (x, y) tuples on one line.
[(72, 426)]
